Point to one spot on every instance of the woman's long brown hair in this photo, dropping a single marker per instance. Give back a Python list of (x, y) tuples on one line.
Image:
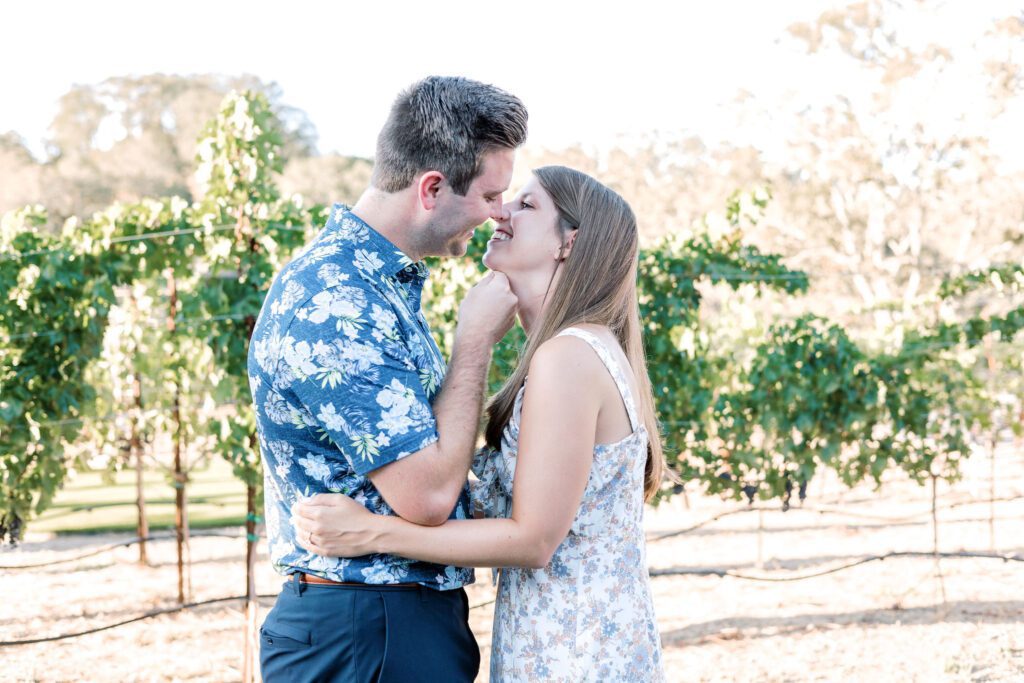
[(598, 286)]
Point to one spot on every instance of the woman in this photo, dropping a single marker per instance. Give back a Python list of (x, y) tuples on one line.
[(577, 444)]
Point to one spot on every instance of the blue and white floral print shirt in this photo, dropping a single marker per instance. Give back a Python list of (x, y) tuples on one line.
[(343, 371)]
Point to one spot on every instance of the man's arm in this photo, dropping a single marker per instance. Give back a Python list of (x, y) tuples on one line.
[(556, 450), (423, 487)]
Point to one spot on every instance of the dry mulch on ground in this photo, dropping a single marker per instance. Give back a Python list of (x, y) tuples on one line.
[(881, 621)]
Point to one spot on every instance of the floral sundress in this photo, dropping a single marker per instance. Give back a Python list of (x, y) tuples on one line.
[(588, 615)]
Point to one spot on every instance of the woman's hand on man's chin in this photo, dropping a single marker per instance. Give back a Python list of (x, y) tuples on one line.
[(334, 525)]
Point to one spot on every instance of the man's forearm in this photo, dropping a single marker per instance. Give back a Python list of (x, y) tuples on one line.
[(457, 411), (424, 487)]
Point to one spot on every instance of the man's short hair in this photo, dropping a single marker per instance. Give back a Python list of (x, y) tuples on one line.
[(446, 124)]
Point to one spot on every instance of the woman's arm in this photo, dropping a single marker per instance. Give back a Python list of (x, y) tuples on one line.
[(556, 447)]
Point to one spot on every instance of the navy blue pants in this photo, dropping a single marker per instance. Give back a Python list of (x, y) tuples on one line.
[(360, 634)]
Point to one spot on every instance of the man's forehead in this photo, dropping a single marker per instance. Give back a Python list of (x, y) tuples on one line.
[(496, 173), (495, 187)]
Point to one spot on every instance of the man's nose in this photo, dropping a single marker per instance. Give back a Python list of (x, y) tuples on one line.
[(500, 212)]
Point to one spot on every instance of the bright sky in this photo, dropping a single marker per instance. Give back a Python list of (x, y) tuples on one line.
[(586, 75)]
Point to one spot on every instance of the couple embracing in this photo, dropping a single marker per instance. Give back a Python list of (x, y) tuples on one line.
[(368, 435)]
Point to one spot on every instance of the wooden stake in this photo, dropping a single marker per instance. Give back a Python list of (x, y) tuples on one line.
[(992, 493), (137, 454), (180, 474), (935, 539), (249, 666), (760, 539), (990, 357)]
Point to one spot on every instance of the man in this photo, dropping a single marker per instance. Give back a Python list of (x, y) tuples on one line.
[(352, 394)]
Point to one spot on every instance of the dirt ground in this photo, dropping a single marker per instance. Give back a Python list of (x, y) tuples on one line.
[(880, 621)]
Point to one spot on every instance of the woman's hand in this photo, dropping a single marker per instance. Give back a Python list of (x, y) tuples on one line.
[(334, 525)]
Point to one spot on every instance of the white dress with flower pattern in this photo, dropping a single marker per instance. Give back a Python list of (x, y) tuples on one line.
[(588, 615)]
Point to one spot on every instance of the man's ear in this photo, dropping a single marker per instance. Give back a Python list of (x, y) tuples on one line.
[(428, 187)]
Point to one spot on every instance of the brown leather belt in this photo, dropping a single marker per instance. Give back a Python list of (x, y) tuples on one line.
[(310, 578)]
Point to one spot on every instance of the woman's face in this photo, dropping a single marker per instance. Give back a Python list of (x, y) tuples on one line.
[(526, 240)]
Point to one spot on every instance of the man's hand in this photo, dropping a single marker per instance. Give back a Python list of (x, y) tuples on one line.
[(334, 525), (488, 310)]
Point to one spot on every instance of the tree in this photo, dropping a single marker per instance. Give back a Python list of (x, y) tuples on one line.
[(53, 314), (135, 136), (239, 155), (889, 196)]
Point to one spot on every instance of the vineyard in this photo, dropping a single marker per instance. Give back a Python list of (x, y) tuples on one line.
[(805, 602), (123, 343)]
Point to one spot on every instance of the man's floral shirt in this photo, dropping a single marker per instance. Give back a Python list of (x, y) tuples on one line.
[(343, 370)]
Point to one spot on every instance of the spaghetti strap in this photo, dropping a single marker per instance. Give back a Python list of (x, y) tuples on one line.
[(614, 369)]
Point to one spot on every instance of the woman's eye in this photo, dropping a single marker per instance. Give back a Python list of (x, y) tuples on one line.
[(525, 205)]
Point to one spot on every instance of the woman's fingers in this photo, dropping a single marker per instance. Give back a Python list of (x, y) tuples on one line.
[(325, 524), (320, 499), (301, 513), (316, 507), (304, 537), (301, 524)]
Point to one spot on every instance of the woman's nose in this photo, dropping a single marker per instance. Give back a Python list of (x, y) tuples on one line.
[(502, 213)]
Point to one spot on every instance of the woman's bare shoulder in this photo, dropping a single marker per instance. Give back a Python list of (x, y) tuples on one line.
[(565, 358)]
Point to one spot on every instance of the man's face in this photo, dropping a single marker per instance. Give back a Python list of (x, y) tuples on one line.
[(455, 217)]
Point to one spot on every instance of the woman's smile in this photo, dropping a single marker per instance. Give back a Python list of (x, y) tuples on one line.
[(501, 235)]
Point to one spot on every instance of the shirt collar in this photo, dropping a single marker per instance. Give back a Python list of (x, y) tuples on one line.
[(362, 235)]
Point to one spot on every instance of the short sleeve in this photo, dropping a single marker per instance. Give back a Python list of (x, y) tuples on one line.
[(346, 361), (488, 496)]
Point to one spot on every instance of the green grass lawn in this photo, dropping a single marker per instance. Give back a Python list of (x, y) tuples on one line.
[(89, 504)]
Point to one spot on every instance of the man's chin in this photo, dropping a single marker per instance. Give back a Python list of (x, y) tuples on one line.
[(458, 250)]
